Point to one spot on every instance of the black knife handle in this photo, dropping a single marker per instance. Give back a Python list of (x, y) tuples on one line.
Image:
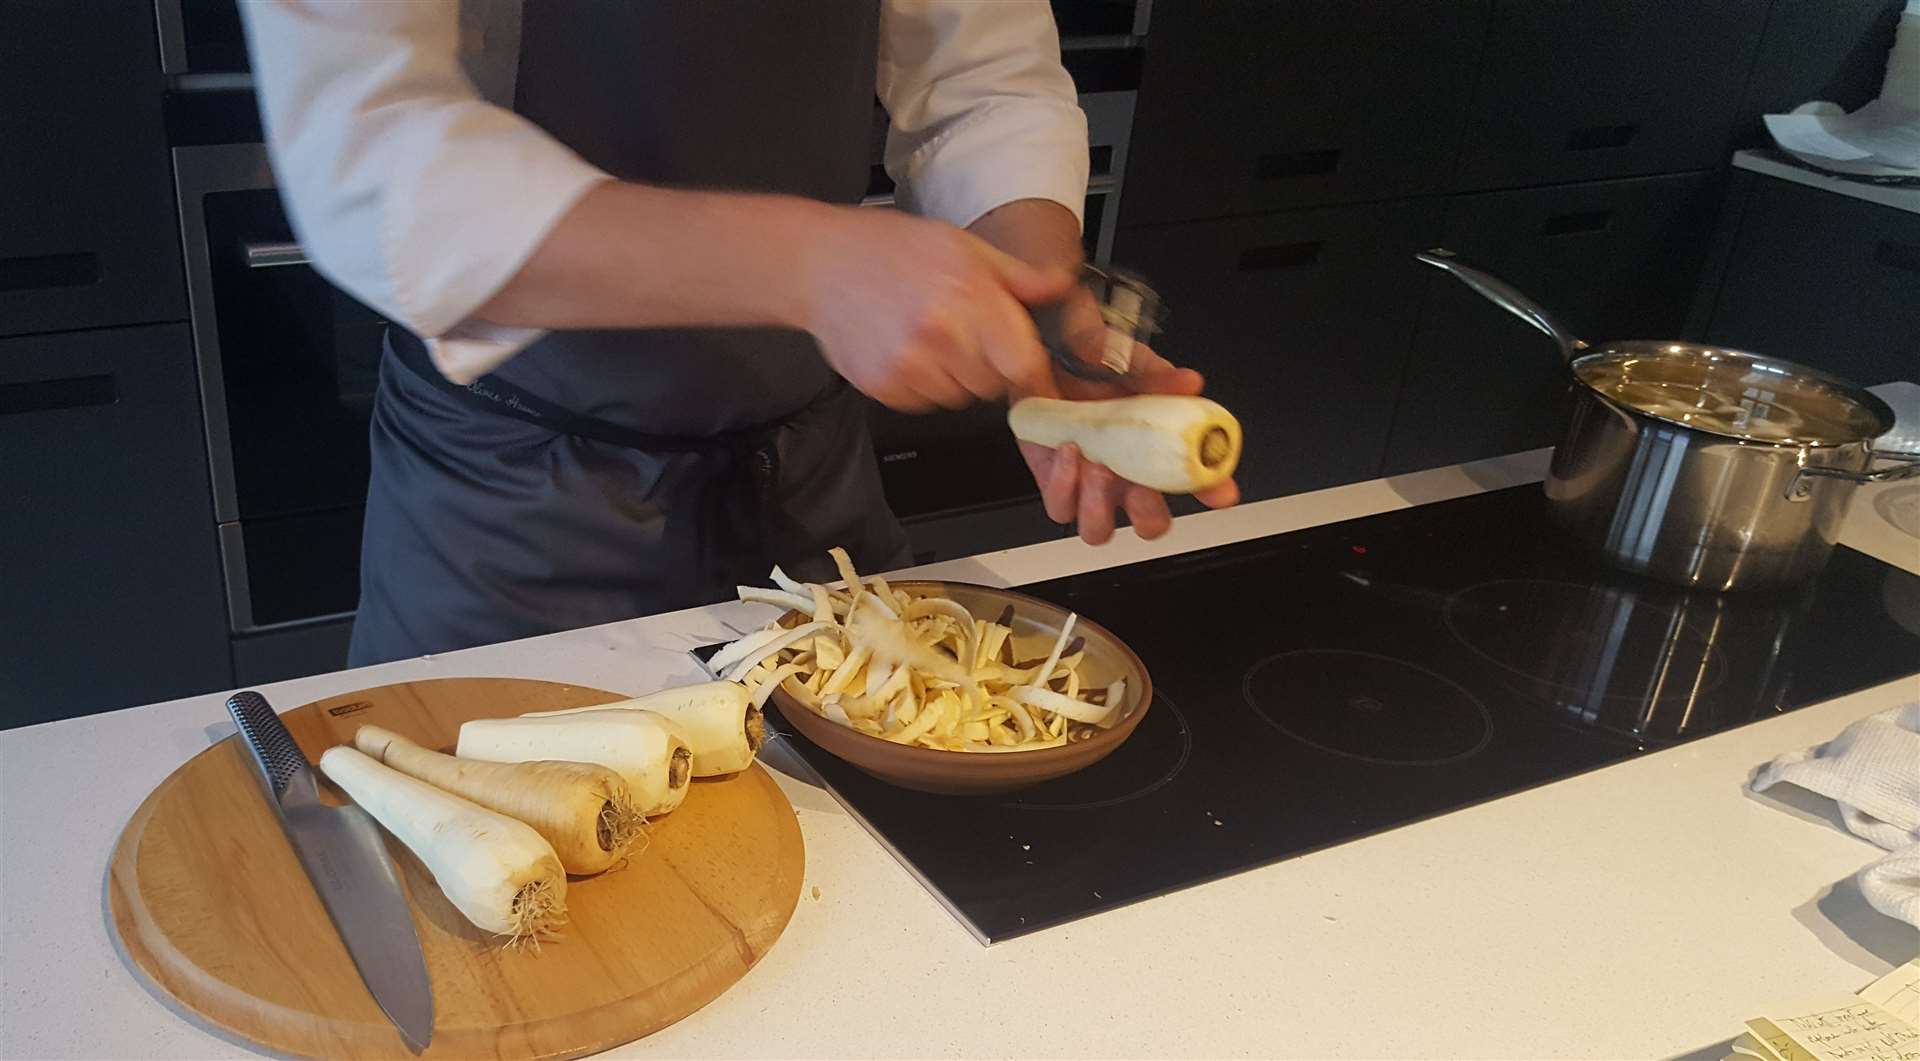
[(267, 738)]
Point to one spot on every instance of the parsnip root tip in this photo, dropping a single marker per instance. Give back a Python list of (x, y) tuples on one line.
[(1215, 447), (536, 911), (756, 729)]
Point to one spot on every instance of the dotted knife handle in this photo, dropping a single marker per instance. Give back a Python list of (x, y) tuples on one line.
[(267, 738)]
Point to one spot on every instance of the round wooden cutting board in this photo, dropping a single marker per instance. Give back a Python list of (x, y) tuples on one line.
[(212, 905)]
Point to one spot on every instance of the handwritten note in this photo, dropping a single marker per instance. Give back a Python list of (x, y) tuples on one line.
[(1881, 1023), (1898, 992), (1850, 1031)]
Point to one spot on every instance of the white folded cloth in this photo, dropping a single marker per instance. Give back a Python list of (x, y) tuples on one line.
[(1872, 771)]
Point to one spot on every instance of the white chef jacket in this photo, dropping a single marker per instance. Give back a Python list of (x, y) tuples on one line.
[(411, 191)]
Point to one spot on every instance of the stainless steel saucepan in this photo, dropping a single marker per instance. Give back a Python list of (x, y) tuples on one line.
[(1702, 466)]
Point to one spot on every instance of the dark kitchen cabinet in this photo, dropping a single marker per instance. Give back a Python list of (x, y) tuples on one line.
[(111, 584), (291, 653), (1301, 323), (982, 530), (1611, 259), (1262, 105), (1574, 91), (1833, 50), (88, 237), (1820, 278)]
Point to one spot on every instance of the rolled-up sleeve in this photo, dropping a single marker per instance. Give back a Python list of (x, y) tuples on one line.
[(982, 112), (405, 188)]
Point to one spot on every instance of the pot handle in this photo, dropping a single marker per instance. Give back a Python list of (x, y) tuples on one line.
[(1801, 487), (1506, 296)]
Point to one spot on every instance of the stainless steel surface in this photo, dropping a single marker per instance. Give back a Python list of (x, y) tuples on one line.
[(196, 172), (268, 255), (171, 26), (348, 863), (1506, 296), (225, 81), (1751, 503), (1109, 125)]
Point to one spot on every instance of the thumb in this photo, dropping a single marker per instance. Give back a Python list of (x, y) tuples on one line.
[(1034, 285)]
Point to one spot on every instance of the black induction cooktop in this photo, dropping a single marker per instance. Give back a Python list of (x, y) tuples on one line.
[(1321, 685)]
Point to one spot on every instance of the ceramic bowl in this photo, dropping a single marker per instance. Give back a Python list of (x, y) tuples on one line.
[(980, 773)]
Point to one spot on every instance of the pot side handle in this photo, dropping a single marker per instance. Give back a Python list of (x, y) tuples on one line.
[(1906, 467)]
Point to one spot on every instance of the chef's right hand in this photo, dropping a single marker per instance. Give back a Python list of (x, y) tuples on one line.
[(919, 314)]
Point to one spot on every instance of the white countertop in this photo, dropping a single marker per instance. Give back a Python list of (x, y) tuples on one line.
[(1642, 910), (1775, 163)]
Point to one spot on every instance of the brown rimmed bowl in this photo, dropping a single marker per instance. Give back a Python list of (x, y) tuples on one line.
[(986, 773)]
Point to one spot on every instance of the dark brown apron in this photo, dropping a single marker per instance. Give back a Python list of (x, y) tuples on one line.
[(600, 475)]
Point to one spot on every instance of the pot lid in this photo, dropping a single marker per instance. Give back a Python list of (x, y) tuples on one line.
[(1734, 394)]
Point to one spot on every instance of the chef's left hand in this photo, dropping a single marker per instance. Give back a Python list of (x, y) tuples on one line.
[(1075, 488)]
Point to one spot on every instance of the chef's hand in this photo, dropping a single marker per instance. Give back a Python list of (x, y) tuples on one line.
[(919, 314), (1075, 488)]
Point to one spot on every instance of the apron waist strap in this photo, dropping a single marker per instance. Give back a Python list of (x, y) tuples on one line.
[(495, 395)]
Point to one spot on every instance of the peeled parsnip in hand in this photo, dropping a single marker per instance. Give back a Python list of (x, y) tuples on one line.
[(654, 761), (719, 720), (1176, 444), (583, 809), (498, 872)]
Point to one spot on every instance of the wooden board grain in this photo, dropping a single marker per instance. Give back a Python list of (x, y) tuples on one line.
[(213, 906)]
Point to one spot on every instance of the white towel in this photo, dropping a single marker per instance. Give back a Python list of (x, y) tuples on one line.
[(1872, 771)]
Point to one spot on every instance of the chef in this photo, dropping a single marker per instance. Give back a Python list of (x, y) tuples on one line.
[(632, 308)]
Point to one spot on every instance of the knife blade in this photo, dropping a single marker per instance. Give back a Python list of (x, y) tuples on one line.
[(350, 868)]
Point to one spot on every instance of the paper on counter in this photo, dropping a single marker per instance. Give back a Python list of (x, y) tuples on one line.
[(1884, 131), (1898, 992), (1878, 1024)]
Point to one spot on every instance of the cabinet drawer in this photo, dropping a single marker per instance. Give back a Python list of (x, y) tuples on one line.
[(1300, 322), (1262, 105), (112, 581), (88, 237), (1825, 280), (294, 653), (1611, 259), (1607, 88)]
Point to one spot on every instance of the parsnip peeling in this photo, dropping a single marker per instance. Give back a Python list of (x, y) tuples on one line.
[(919, 670)]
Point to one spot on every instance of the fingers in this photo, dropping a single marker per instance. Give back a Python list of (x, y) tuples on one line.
[(1011, 343), (1153, 374), (1147, 511), (1032, 284), (1061, 490), (1097, 486), (1223, 495)]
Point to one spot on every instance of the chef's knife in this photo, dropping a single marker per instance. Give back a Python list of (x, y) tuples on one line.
[(341, 849)]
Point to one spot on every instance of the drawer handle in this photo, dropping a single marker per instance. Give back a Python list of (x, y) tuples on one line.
[(1596, 137), (1282, 256), (1578, 221), (1903, 256), (48, 394), (1296, 164), (269, 255), (49, 270)]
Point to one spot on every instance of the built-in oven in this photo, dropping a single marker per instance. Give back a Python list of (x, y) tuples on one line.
[(288, 367)]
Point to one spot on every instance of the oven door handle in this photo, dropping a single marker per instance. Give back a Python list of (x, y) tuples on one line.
[(267, 254), (1100, 184)]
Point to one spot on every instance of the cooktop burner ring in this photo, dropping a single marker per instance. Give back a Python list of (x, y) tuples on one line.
[(1362, 682), (1160, 703), (1588, 648)]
